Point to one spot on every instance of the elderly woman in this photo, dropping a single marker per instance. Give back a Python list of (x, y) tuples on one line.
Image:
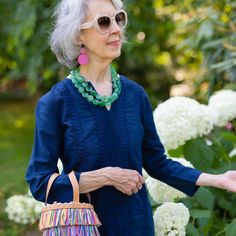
[(100, 125)]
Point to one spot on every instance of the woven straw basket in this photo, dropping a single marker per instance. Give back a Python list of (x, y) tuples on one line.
[(68, 219)]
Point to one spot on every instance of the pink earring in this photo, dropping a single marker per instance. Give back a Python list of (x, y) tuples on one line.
[(83, 57)]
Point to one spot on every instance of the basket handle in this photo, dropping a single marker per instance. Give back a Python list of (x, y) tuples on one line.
[(75, 186), (49, 185), (74, 183)]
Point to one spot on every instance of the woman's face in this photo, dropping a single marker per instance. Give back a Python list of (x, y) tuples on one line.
[(102, 46)]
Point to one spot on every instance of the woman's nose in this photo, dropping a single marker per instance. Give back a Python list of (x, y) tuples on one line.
[(115, 28)]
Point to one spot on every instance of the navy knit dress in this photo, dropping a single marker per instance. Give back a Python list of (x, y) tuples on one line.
[(87, 137)]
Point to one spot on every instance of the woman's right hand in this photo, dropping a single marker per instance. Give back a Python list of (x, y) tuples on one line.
[(125, 180)]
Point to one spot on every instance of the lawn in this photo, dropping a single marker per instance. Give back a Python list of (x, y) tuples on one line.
[(16, 139)]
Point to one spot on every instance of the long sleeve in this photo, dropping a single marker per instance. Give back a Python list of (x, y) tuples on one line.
[(47, 149), (158, 165)]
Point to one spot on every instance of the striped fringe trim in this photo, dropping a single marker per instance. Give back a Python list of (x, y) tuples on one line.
[(68, 217), (72, 231)]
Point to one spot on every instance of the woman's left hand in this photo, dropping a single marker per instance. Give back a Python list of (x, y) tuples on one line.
[(228, 181), (225, 181)]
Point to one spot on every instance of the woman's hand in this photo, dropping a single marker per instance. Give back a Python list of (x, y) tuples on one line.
[(225, 181), (125, 180), (228, 181)]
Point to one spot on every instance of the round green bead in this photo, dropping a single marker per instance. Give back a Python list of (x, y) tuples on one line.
[(93, 93), (98, 96), (77, 85), (81, 89), (90, 98), (85, 95), (95, 102), (80, 80), (90, 94), (114, 95), (101, 104), (88, 89), (104, 99), (84, 84)]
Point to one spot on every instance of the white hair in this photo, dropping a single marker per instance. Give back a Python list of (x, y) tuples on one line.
[(69, 16)]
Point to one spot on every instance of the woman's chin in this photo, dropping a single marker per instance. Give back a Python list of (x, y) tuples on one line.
[(114, 54)]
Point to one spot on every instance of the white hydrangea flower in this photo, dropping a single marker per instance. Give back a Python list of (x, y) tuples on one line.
[(232, 153), (180, 119), (183, 161), (145, 174), (161, 192), (22, 209), (171, 219), (223, 106)]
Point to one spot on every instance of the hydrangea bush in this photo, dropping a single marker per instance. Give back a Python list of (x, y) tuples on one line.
[(24, 209), (223, 106), (205, 136), (180, 119), (171, 219)]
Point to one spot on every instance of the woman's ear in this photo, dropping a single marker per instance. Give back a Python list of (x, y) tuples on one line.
[(78, 39)]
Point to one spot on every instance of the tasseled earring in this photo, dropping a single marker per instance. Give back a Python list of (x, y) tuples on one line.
[(83, 57)]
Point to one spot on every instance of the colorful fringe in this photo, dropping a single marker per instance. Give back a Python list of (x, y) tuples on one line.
[(69, 222), (82, 230)]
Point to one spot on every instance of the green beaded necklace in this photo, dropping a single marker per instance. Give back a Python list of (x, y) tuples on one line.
[(90, 94)]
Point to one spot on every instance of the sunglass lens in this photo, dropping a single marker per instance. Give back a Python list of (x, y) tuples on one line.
[(104, 23), (121, 19)]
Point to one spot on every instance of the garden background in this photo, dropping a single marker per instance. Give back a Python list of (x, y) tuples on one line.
[(185, 48)]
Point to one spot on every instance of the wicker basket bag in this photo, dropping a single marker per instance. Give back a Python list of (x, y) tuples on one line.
[(68, 219)]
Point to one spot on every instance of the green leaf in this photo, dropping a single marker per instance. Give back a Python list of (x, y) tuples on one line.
[(205, 198), (192, 231), (178, 152), (198, 153), (231, 229), (227, 205), (198, 213), (206, 30), (229, 136), (216, 43)]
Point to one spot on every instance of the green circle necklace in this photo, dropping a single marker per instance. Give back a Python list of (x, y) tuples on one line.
[(88, 92)]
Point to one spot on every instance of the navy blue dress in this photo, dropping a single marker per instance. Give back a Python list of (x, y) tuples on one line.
[(87, 137)]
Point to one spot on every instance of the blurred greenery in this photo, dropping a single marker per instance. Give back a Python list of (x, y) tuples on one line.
[(16, 135), (170, 42)]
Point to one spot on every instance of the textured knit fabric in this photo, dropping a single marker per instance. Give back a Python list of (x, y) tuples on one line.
[(87, 137)]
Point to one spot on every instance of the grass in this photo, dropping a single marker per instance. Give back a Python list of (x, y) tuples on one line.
[(16, 139)]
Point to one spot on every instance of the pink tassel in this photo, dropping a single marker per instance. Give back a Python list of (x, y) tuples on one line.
[(58, 222)]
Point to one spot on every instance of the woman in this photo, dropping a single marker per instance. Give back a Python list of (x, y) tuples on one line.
[(100, 125)]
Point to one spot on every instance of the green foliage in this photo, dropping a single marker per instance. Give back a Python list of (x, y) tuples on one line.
[(16, 135), (25, 53), (212, 32), (212, 210), (196, 148)]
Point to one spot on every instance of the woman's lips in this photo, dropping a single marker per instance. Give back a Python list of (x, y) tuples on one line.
[(115, 43)]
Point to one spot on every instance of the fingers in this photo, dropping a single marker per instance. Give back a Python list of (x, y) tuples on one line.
[(141, 179), (132, 181), (135, 185), (139, 186)]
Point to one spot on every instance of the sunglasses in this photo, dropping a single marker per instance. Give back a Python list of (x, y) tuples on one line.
[(103, 23)]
